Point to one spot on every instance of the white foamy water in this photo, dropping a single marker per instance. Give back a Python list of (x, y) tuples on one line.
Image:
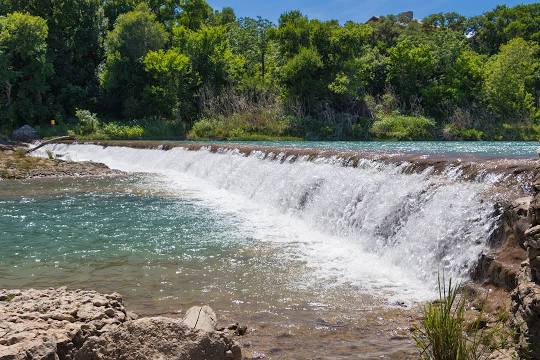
[(372, 226)]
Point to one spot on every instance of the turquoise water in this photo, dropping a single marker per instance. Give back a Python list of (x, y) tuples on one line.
[(158, 249), (498, 149)]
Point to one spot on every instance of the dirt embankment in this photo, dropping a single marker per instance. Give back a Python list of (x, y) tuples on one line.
[(15, 164)]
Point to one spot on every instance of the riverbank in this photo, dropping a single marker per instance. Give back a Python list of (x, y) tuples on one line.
[(87, 325), (16, 164)]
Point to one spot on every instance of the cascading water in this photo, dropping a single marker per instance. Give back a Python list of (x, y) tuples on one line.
[(372, 225)]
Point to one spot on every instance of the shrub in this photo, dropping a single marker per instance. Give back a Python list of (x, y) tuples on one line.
[(243, 125), (88, 122), (360, 130), (157, 128), (523, 131), (402, 127), (118, 131), (454, 132)]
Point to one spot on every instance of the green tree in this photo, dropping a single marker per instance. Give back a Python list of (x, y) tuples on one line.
[(74, 47), (250, 38), (510, 78), (224, 17), (212, 59), (292, 34), (301, 77), (451, 21), (123, 77), (411, 64), (170, 91), (194, 13), (495, 28), (24, 69)]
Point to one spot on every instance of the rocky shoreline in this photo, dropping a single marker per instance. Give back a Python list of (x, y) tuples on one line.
[(86, 325), (15, 164)]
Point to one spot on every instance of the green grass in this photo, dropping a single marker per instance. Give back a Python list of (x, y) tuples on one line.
[(444, 333), (253, 125), (403, 127)]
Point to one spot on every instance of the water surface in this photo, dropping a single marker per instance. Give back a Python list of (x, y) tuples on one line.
[(491, 149)]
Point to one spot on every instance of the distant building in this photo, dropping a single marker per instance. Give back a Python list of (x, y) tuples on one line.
[(409, 15)]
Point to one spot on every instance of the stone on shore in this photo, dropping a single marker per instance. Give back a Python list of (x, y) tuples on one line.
[(25, 134), (86, 325), (159, 338), (201, 318)]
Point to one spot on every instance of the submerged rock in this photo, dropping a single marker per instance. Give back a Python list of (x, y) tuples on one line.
[(86, 325)]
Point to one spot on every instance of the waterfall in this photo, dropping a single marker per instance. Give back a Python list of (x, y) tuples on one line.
[(365, 222)]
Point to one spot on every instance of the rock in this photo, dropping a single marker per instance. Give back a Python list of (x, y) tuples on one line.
[(504, 354), (55, 324), (241, 330), (526, 315), (45, 324), (201, 318), (159, 338), (25, 134)]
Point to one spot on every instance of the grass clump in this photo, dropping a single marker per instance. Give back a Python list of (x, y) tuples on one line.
[(444, 333), (260, 125), (403, 127)]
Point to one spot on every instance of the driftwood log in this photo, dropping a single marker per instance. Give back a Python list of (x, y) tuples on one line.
[(61, 138)]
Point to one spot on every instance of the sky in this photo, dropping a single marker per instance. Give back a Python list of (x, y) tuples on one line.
[(358, 10)]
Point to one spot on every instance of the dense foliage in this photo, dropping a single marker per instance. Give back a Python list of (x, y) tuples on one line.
[(169, 68)]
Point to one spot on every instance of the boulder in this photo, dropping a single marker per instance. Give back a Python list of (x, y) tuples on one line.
[(526, 315), (53, 323), (201, 318), (86, 325), (25, 134), (159, 338)]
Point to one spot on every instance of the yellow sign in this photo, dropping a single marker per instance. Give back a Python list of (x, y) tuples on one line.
[(53, 122)]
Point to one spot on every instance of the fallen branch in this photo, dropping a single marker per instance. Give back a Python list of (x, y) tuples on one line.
[(61, 138)]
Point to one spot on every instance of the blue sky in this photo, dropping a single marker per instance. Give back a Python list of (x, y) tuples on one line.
[(358, 10)]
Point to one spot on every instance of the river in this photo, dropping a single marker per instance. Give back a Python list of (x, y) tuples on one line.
[(321, 260)]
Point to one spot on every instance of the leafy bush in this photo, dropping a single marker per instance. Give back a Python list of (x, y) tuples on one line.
[(360, 130), (118, 131), (523, 131), (453, 132), (238, 126), (402, 127), (88, 122), (157, 128)]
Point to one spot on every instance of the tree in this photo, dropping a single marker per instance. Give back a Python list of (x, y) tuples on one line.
[(449, 21), (123, 77), (250, 39), (510, 78), (194, 14), (224, 17), (495, 28), (25, 70), (301, 77), (170, 89), (211, 56), (74, 47), (292, 34), (411, 64)]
